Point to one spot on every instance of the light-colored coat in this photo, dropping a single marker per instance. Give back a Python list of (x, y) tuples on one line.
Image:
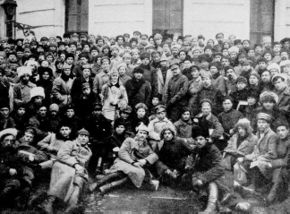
[(61, 91), (113, 97), (161, 84), (64, 177), (131, 151)]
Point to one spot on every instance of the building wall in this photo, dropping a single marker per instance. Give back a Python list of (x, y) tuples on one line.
[(209, 17), (113, 17), (2, 23), (49, 13), (282, 19)]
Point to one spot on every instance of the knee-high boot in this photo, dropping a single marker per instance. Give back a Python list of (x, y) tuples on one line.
[(107, 187), (73, 201), (212, 199), (104, 180)]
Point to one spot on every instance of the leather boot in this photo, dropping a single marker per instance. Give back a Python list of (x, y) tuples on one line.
[(73, 201), (107, 187), (103, 180), (212, 199), (48, 204), (272, 194)]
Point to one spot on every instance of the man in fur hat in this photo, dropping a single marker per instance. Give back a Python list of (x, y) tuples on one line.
[(23, 88)]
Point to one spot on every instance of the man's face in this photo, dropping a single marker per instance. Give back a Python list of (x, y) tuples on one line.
[(69, 60), (194, 72), (175, 70), (241, 86), (206, 108), (42, 111), (120, 129), (9, 141), (83, 139), (213, 70), (145, 61), (200, 141), (262, 125), (86, 73), (105, 65), (138, 75), (141, 113), (156, 57), (284, 55), (161, 115), (142, 134), (241, 131), (227, 105), (28, 137), (70, 113), (225, 62), (266, 77), (65, 131), (206, 82), (280, 84), (167, 136), (12, 58), (4, 112), (282, 132), (186, 116), (21, 111), (268, 105)]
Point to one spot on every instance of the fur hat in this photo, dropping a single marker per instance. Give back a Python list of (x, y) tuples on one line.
[(122, 64), (264, 116), (199, 131), (167, 127), (242, 79), (141, 105), (245, 124), (283, 76), (138, 70), (6, 132), (22, 70), (274, 66), (268, 96), (142, 127), (144, 55), (37, 91)]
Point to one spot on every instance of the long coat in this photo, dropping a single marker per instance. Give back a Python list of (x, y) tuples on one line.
[(131, 151), (266, 150), (284, 102), (246, 147), (64, 177), (61, 91), (162, 84), (113, 97)]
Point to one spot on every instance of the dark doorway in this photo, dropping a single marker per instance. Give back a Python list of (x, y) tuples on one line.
[(76, 17), (168, 16), (261, 20)]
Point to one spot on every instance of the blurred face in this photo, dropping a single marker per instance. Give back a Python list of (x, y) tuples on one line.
[(141, 113), (125, 115), (206, 82), (122, 71), (280, 84), (120, 129), (200, 141), (106, 65), (25, 78), (213, 70), (138, 75), (114, 77), (145, 61), (282, 132), (4, 112), (42, 111), (253, 80), (284, 55), (241, 131), (83, 60), (67, 71), (206, 108), (225, 62), (227, 105), (268, 105), (21, 111), (83, 139), (69, 60), (86, 73), (9, 141), (262, 65), (268, 56), (38, 100), (262, 125), (161, 115), (156, 57), (251, 101), (65, 131), (142, 135), (241, 85), (70, 113), (185, 116), (163, 63), (194, 73), (175, 70), (266, 77), (186, 64), (167, 136), (251, 53), (155, 101), (28, 137)]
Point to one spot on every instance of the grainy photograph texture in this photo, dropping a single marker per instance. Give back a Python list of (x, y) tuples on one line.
[(145, 106)]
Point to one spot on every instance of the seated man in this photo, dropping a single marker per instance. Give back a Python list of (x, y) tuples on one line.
[(206, 169), (240, 144), (258, 163), (172, 152), (134, 157), (69, 175), (156, 125)]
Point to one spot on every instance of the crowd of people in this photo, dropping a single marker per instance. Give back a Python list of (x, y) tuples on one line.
[(99, 112)]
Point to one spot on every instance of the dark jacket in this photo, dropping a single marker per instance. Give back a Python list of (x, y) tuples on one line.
[(229, 119), (138, 91)]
